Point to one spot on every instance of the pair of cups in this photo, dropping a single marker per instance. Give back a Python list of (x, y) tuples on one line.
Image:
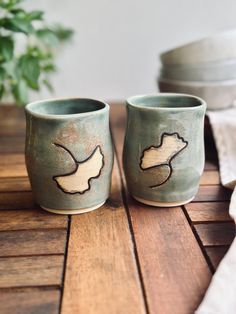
[(69, 151)]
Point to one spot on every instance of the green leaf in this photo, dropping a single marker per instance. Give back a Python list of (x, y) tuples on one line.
[(11, 70), (18, 12), (30, 69), (9, 4), (49, 67), (35, 15), (47, 37), (19, 91), (62, 33), (2, 75), (2, 90), (17, 24), (6, 48), (48, 85)]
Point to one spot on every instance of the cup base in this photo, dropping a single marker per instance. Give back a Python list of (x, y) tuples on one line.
[(163, 204), (72, 211)]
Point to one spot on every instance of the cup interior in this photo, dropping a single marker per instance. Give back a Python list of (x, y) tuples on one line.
[(165, 101), (65, 106)]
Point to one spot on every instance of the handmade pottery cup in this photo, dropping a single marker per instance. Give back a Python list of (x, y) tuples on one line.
[(164, 148), (69, 154)]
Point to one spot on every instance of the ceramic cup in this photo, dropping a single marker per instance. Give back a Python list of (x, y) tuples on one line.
[(164, 148), (69, 154)]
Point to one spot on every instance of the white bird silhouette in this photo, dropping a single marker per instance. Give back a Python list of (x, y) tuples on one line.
[(78, 181)]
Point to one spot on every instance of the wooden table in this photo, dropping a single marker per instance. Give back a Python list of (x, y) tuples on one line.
[(122, 258)]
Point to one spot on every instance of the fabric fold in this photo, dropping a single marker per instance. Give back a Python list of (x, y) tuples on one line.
[(220, 297)]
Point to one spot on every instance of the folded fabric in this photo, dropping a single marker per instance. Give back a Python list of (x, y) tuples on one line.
[(220, 297)]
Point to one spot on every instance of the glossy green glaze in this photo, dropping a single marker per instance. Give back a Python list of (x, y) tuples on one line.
[(170, 126), (61, 137)]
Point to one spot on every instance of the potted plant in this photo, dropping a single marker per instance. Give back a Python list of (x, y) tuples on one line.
[(27, 50)]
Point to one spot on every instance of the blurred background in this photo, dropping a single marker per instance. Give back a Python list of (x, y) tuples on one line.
[(115, 48)]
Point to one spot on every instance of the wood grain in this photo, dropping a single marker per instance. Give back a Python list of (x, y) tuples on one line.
[(11, 170), (32, 242), (31, 271), (212, 211), (210, 193), (14, 184), (216, 233), (211, 165), (16, 200), (12, 121), (12, 144), (31, 219), (30, 302), (174, 271), (101, 269), (216, 254), (12, 159), (210, 178), (171, 261)]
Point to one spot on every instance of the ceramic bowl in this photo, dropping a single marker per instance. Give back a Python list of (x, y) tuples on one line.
[(218, 95), (214, 48), (212, 71)]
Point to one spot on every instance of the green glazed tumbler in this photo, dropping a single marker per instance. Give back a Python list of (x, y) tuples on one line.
[(69, 154), (163, 153)]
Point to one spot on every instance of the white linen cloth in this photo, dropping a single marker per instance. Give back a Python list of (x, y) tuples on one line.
[(220, 297)]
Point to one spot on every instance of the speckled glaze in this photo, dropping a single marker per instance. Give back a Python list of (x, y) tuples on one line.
[(153, 122), (61, 135)]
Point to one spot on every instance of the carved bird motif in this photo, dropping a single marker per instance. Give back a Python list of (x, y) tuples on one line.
[(78, 181), (156, 160)]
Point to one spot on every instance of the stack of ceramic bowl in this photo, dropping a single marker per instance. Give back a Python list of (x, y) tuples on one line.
[(205, 68)]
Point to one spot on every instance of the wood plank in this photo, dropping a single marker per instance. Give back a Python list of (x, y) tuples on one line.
[(31, 219), (101, 263), (213, 211), (170, 258), (12, 159), (171, 261), (14, 184), (13, 170), (212, 193), (211, 165), (30, 302), (16, 200), (32, 242), (12, 165), (12, 121), (216, 254), (216, 233), (12, 144), (210, 178), (11, 115), (31, 271)]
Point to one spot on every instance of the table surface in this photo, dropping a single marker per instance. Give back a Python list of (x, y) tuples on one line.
[(122, 258)]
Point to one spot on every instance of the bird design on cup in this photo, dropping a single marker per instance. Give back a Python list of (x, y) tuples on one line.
[(156, 160), (79, 180)]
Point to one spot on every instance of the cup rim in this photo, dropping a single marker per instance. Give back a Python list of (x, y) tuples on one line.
[(65, 116), (202, 103)]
